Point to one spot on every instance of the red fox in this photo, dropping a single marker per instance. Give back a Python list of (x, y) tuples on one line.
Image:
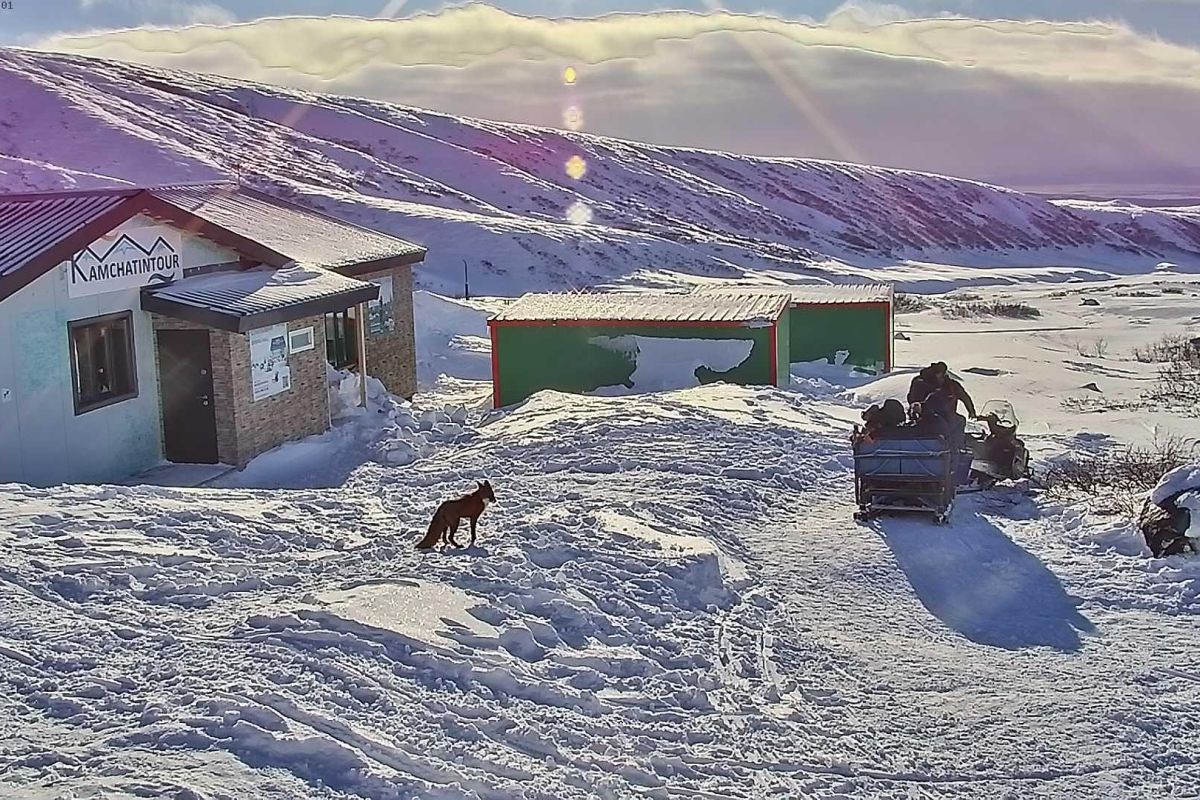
[(450, 513)]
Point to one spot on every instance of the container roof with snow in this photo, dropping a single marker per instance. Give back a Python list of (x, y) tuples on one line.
[(41, 230), (812, 294), (655, 308)]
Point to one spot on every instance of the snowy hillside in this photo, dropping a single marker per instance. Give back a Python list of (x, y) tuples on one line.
[(498, 196)]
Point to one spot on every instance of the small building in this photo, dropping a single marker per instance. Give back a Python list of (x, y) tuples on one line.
[(613, 342), (190, 324), (826, 319)]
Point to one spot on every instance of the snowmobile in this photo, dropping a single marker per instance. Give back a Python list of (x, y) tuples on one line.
[(1166, 529), (997, 453), (1170, 518)]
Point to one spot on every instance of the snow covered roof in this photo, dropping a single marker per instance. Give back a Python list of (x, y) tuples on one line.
[(40, 230), (242, 300), (300, 234), (644, 307), (849, 293)]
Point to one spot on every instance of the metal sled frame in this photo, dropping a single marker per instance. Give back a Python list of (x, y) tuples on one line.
[(922, 490)]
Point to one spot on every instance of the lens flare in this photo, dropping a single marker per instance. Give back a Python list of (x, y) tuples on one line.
[(579, 214), (573, 118), (576, 167), (570, 76)]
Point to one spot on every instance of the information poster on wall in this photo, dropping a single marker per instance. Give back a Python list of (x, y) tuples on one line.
[(379, 312), (269, 371)]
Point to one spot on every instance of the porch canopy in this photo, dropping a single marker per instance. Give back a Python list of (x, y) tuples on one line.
[(240, 300)]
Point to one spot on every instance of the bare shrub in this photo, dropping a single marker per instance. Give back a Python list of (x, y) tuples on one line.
[(910, 303), (1168, 348), (1097, 404), (1177, 387), (992, 308), (1094, 349), (1117, 480)]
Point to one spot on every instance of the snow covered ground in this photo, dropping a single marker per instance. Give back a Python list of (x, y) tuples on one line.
[(669, 600)]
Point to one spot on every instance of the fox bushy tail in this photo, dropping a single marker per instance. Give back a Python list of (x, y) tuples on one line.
[(435, 532)]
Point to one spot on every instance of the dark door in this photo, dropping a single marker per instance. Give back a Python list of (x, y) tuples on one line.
[(185, 378)]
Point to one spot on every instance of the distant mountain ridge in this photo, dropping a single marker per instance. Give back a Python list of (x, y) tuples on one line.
[(496, 200)]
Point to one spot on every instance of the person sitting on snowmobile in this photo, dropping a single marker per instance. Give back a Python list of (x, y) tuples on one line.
[(879, 419), (933, 393)]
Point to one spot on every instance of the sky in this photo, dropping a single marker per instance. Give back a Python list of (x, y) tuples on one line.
[(29, 20)]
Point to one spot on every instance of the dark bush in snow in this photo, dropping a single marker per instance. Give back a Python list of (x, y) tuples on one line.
[(1117, 480), (993, 308), (1167, 349), (909, 303)]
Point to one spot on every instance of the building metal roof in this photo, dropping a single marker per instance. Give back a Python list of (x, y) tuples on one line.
[(814, 294), (41, 230), (653, 307), (27, 227), (300, 234), (242, 300)]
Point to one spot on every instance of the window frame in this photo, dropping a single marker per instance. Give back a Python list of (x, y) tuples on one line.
[(349, 336), (73, 356), (308, 331)]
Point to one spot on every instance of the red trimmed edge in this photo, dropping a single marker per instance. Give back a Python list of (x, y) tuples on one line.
[(495, 365), (891, 338), (775, 354), (889, 309), (584, 323), (811, 304)]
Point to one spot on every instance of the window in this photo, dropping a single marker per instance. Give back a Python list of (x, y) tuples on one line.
[(102, 364), (300, 340), (341, 339), (379, 311)]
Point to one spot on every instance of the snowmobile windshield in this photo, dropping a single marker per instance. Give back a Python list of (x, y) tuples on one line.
[(1002, 410)]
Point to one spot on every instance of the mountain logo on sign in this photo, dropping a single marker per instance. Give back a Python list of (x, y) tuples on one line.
[(126, 257)]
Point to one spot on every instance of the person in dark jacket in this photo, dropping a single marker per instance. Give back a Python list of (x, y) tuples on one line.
[(933, 393), (937, 392)]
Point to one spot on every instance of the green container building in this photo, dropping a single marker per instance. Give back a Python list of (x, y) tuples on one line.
[(637, 341), (824, 319)]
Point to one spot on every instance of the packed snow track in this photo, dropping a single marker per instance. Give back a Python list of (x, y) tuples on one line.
[(670, 600)]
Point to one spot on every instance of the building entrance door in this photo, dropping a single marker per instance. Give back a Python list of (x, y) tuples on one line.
[(186, 381)]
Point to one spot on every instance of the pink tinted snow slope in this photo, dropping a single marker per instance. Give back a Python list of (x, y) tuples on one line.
[(497, 199)]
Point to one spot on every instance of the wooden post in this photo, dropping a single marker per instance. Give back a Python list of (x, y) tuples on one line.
[(466, 282), (360, 315)]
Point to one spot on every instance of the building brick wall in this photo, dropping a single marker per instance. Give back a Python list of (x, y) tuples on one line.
[(246, 428), (302, 410), (392, 356)]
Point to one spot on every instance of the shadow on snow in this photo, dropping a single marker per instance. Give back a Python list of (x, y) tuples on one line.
[(984, 585)]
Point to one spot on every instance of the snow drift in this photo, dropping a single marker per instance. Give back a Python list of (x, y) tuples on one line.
[(662, 363)]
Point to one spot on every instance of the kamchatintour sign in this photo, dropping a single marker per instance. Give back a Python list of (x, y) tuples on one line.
[(129, 259)]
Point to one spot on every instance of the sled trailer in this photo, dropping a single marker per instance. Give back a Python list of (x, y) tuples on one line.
[(904, 472)]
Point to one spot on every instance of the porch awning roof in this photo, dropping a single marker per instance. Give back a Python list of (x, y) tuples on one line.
[(242, 300)]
